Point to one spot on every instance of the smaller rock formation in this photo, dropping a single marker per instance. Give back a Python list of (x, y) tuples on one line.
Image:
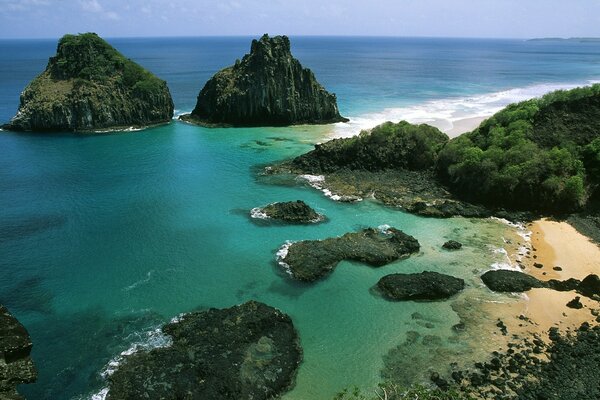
[(452, 245), (87, 86), (310, 260), (575, 303), (515, 281), (510, 281), (16, 367), (423, 286), (268, 87), (250, 351), (293, 212)]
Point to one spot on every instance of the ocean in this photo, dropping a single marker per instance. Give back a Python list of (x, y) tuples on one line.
[(103, 238)]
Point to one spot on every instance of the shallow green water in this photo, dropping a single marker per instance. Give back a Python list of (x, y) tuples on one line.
[(115, 234)]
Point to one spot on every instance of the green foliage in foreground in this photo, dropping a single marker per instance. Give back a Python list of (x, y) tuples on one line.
[(387, 146), (390, 391), (87, 57), (541, 154)]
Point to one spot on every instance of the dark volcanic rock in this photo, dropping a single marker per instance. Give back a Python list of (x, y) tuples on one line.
[(590, 286), (510, 281), (452, 245), (423, 286), (296, 212), (89, 85), (15, 365), (268, 87), (310, 260), (575, 303), (250, 351)]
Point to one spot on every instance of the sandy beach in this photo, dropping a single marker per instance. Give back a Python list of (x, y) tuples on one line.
[(553, 244), (463, 125)]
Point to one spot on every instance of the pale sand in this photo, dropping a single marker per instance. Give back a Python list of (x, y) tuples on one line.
[(552, 244), (464, 125)]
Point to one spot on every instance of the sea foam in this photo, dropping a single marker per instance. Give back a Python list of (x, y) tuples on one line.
[(444, 113)]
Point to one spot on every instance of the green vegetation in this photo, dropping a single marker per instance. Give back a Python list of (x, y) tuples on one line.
[(387, 146), (390, 391), (541, 154), (87, 57)]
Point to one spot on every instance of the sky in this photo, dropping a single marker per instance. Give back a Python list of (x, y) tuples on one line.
[(432, 18)]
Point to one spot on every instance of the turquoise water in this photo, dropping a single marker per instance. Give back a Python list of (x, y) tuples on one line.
[(103, 238)]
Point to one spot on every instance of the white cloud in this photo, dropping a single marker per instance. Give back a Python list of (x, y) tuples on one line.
[(94, 7)]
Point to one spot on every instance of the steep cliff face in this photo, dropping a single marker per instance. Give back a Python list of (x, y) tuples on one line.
[(15, 365), (89, 85), (268, 87)]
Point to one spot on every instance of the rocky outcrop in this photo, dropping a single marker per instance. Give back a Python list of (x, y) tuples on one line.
[(88, 85), (250, 351), (423, 286), (16, 367), (510, 281), (293, 212), (452, 245), (268, 87), (310, 260), (515, 281)]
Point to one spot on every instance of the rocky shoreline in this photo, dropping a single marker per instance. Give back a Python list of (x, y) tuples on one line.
[(16, 366), (250, 351)]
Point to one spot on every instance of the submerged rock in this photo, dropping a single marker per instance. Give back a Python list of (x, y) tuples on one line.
[(452, 245), (16, 367), (423, 286), (510, 281), (295, 212), (88, 85), (250, 351), (310, 260), (268, 87)]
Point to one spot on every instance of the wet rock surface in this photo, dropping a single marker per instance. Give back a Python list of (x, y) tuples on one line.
[(268, 87), (16, 367), (250, 351), (452, 245), (422, 286), (294, 212), (311, 260)]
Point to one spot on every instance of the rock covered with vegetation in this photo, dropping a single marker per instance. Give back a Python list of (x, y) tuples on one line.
[(268, 87), (541, 154), (294, 212), (422, 286), (88, 85), (310, 260), (16, 367), (250, 351)]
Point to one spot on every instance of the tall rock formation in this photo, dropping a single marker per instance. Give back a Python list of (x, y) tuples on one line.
[(15, 365), (89, 86), (268, 87)]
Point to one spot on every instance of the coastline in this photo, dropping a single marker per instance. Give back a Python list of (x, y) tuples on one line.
[(552, 244)]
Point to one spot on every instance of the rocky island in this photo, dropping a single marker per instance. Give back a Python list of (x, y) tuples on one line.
[(293, 212), (250, 351), (310, 260), (268, 87), (16, 367), (88, 85)]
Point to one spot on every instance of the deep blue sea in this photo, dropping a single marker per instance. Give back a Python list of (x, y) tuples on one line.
[(104, 238)]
